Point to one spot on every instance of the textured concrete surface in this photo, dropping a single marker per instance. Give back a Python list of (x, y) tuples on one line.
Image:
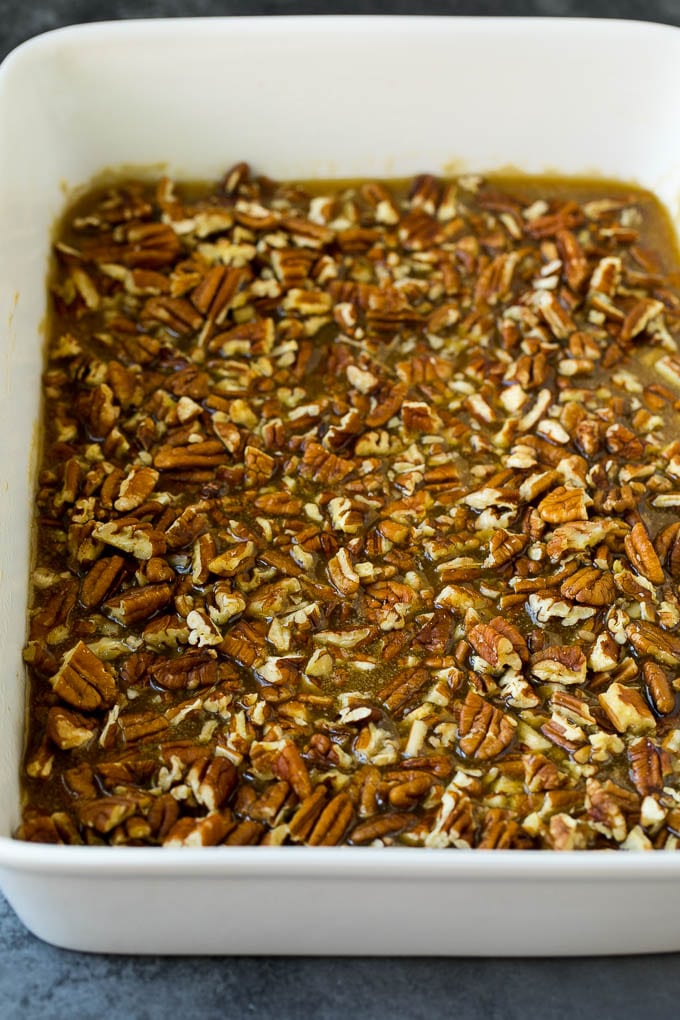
[(39, 981)]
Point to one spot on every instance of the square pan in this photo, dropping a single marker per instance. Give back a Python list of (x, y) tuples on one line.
[(304, 97)]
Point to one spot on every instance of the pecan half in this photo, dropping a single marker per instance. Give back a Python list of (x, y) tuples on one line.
[(642, 555), (590, 586), (83, 681), (484, 731)]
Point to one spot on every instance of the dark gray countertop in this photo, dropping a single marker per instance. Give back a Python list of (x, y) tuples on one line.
[(37, 980)]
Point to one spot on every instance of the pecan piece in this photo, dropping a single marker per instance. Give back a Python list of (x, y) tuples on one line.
[(499, 644), (189, 670), (259, 467), (69, 730), (648, 639), (304, 819), (384, 825), (642, 555), (398, 693), (563, 505), (626, 709), (505, 546), (607, 806), (136, 488), (278, 504), (639, 317), (406, 795), (290, 767), (83, 680), (141, 725), (501, 832), (659, 688), (342, 574), (132, 536), (137, 604), (323, 466), (105, 813), (647, 767), (590, 587), (484, 731), (100, 580), (208, 831), (668, 548), (162, 815), (212, 781), (333, 822), (234, 560), (542, 774), (207, 454), (560, 664)]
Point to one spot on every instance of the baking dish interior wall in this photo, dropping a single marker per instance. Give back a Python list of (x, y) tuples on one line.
[(295, 98)]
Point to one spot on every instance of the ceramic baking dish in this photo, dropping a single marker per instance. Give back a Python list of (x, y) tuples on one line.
[(308, 97)]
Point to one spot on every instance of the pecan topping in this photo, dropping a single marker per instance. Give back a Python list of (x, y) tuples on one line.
[(356, 519)]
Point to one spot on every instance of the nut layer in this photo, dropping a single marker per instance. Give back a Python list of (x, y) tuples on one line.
[(357, 519)]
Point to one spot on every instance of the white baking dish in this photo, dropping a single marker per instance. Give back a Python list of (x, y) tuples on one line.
[(305, 97)]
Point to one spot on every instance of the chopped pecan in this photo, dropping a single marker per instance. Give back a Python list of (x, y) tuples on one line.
[(640, 316), (398, 693), (364, 493), (561, 664), (69, 730), (136, 488), (541, 774), (668, 548), (105, 813), (233, 560), (342, 573), (132, 536), (607, 806), (626, 709)]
